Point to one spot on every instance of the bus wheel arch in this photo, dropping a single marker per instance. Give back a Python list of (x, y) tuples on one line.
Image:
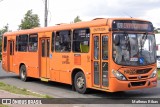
[(23, 72), (78, 75)]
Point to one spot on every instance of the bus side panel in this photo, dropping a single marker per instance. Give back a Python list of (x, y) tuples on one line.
[(86, 67), (8, 57), (16, 63), (32, 64), (4, 61), (30, 60), (60, 66), (54, 74)]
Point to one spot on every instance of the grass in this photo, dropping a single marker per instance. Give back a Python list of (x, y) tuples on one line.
[(13, 89), (159, 74), (1, 105)]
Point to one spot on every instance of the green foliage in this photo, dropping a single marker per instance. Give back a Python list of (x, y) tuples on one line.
[(2, 31), (156, 30), (23, 91), (77, 19), (0, 47), (159, 74), (47, 96), (30, 21), (1, 105)]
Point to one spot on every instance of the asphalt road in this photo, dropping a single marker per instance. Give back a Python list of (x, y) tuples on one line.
[(57, 90)]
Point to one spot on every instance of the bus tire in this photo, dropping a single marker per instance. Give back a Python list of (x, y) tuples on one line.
[(80, 83), (23, 73)]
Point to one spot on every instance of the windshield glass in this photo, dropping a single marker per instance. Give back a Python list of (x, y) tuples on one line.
[(134, 49), (158, 58)]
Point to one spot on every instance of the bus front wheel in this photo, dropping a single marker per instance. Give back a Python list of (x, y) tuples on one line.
[(80, 83), (23, 73)]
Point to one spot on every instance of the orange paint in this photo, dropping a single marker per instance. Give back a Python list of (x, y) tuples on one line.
[(59, 65)]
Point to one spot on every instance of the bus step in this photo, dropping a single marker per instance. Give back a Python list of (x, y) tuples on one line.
[(45, 79)]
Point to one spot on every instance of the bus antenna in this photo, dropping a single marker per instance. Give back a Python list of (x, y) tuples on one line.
[(127, 14)]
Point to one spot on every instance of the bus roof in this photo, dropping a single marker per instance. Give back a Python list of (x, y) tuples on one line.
[(92, 23)]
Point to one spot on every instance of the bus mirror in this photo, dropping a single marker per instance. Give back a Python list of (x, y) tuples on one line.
[(116, 40)]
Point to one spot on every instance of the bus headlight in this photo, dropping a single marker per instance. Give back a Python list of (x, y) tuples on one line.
[(154, 73), (119, 75)]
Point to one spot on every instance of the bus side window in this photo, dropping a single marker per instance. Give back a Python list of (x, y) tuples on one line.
[(5, 44), (81, 41), (105, 47), (33, 41), (53, 41), (17, 43), (63, 41), (22, 43)]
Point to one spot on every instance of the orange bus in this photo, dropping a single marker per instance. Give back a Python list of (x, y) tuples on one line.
[(112, 54)]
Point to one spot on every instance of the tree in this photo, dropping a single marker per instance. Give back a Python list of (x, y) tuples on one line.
[(30, 21), (4, 29), (156, 30), (77, 19)]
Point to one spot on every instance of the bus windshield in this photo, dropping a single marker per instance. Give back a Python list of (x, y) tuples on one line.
[(134, 49)]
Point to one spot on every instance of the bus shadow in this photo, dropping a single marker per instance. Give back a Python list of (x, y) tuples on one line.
[(5, 77), (50, 84), (142, 93)]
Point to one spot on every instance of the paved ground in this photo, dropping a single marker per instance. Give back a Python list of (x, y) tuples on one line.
[(5, 94), (57, 90)]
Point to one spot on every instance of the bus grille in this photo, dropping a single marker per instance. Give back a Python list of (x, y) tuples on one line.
[(143, 71), (138, 83), (137, 78)]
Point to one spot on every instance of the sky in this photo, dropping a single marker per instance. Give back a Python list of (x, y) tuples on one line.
[(64, 11)]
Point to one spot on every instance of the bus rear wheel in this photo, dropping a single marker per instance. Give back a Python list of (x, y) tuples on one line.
[(80, 83), (23, 73)]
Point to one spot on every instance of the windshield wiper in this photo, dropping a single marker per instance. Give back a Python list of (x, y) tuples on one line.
[(144, 37), (142, 43)]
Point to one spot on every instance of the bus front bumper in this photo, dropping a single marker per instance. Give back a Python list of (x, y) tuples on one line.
[(117, 85)]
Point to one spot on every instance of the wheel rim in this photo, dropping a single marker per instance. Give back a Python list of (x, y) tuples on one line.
[(22, 74), (80, 82)]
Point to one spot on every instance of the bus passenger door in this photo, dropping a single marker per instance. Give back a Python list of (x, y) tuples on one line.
[(44, 58), (10, 55), (100, 61)]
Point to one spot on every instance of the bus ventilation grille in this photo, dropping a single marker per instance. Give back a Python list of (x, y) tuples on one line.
[(143, 71), (138, 83)]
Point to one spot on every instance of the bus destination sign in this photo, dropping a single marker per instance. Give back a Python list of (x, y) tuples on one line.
[(132, 25)]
